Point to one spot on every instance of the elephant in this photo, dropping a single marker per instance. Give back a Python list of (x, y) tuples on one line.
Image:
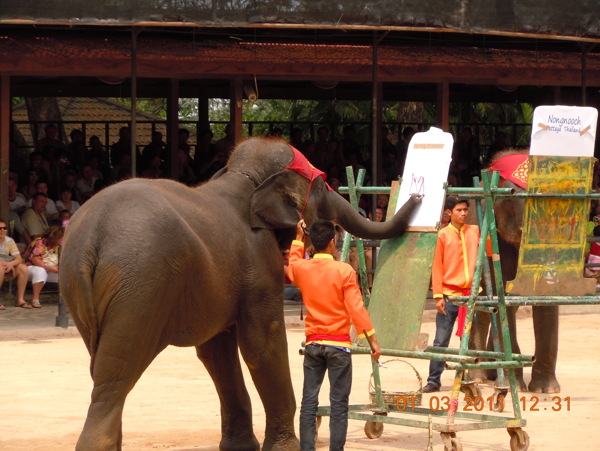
[(509, 213), (152, 263)]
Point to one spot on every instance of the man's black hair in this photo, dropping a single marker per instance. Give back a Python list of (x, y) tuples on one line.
[(321, 233), (453, 201)]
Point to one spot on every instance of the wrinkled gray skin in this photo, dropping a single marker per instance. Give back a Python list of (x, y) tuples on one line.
[(509, 219), (152, 263)]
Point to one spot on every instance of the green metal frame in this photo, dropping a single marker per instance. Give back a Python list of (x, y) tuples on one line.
[(457, 359), (462, 358)]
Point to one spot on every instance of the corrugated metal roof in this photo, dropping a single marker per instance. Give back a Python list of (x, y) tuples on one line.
[(552, 17)]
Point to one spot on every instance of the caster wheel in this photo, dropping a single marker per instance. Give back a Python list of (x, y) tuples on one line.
[(451, 442), (317, 426), (519, 443), (471, 391), (498, 402), (373, 429), (455, 445)]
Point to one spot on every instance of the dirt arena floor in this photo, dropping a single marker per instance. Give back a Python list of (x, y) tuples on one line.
[(46, 389)]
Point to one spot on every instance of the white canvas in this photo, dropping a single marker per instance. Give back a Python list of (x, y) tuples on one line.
[(566, 131), (425, 172)]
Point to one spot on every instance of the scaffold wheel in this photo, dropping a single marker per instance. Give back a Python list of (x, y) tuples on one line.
[(373, 429), (519, 439)]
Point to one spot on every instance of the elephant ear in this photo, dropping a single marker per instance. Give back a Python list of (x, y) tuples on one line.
[(275, 203)]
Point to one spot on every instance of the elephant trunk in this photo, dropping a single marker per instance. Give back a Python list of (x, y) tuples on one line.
[(338, 209)]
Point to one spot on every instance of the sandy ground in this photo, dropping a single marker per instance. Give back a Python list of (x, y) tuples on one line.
[(46, 388)]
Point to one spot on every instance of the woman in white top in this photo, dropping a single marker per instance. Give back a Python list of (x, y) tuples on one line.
[(66, 202)]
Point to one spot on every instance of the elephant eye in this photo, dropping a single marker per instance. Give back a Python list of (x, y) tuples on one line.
[(296, 200)]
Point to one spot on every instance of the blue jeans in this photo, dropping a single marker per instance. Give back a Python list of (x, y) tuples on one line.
[(338, 363), (443, 332)]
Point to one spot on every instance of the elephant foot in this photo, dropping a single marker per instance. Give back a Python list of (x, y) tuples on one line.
[(521, 385), (238, 443), (478, 376), (289, 442), (544, 384)]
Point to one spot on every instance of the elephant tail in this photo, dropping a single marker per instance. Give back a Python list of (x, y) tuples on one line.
[(76, 284), (88, 312)]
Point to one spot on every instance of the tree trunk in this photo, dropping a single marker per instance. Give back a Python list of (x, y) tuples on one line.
[(42, 110)]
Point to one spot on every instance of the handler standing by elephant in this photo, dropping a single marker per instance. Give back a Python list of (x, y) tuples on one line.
[(452, 275), (333, 299)]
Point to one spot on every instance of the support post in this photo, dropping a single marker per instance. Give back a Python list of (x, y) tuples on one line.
[(133, 128), (235, 108), (4, 144), (173, 128), (443, 105)]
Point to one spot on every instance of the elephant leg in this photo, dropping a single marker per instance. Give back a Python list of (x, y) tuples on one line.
[(543, 372), (481, 327), (511, 314), (263, 344), (117, 365), (220, 357)]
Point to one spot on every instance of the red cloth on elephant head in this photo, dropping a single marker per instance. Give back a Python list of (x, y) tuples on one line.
[(303, 167), (513, 167)]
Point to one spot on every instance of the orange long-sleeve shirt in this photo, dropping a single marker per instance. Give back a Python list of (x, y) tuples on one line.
[(454, 260), (331, 295)]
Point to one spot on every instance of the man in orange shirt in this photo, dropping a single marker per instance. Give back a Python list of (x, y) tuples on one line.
[(333, 300), (452, 275)]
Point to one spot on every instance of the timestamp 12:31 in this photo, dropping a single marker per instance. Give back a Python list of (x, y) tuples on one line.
[(479, 403)]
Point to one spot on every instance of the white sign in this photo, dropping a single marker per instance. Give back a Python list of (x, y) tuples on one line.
[(425, 172), (565, 131)]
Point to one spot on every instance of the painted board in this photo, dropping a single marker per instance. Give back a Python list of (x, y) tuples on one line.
[(400, 286), (567, 131), (553, 243), (425, 172)]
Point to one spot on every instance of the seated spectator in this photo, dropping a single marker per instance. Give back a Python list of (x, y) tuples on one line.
[(121, 147), (211, 167), (205, 152), (12, 263), (64, 217), (50, 139), (66, 201), (155, 171), (122, 168), (382, 202), (85, 184), (156, 147), (379, 214), (97, 149), (42, 165), (183, 136), (15, 227), (34, 219), (51, 211), (593, 257), (70, 181), (123, 173), (42, 261), (76, 148), (186, 173), (227, 143), (95, 164), (16, 200), (28, 188)]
